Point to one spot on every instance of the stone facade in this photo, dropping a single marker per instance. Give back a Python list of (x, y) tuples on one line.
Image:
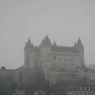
[(51, 56), (57, 63)]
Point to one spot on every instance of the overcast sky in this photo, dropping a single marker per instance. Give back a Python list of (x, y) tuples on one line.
[(62, 20)]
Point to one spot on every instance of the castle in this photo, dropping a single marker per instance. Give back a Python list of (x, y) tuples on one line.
[(52, 56), (57, 63)]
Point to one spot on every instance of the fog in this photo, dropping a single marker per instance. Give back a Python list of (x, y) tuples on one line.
[(62, 20)]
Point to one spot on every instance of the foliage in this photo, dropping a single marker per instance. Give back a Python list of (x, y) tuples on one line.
[(63, 86), (3, 93), (36, 82), (4, 85), (4, 90), (3, 68), (47, 87), (13, 87), (20, 77)]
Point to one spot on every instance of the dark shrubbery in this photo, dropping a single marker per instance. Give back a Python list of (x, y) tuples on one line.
[(13, 87)]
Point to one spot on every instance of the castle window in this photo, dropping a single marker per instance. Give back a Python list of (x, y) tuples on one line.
[(54, 57), (27, 52), (38, 59), (59, 59), (88, 88), (27, 61), (45, 66), (64, 59), (26, 56), (89, 93), (70, 59), (31, 57), (41, 64)]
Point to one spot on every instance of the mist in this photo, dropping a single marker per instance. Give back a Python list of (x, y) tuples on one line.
[(62, 20)]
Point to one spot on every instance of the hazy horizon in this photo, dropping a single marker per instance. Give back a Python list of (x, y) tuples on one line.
[(62, 20)]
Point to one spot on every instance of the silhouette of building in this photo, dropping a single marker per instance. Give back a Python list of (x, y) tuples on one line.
[(56, 63), (82, 90), (50, 56)]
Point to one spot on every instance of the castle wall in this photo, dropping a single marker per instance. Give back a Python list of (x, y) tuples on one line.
[(7, 75), (30, 76), (27, 57), (45, 50), (5, 72), (33, 60), (67, 61), (25, 75), (81, 54), (45, 56), (55, 76)]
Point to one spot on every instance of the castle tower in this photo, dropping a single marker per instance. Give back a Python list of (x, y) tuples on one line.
[(54, 43), (45, 49), (34, 58), (80, 48), (75, 45), (46, 41), (27, 49)]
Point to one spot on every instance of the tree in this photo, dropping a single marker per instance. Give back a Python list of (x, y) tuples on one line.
[(47, 87), (3, 68), (20, 77), (13, 87)]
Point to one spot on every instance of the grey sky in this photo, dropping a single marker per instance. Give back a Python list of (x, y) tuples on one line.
[(63, 20)]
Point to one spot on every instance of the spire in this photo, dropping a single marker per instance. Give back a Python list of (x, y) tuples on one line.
[(46, 36), (54, 43), (28, 44), (79, 43), (46, 41), (32, 45), (75, 45)]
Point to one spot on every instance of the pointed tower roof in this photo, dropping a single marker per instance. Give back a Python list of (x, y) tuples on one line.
[(32, 45), (79, 43), (75, 45), (54, 43), (28, 44), (46, 41)]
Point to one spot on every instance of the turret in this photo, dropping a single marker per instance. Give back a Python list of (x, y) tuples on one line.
[(32, 45), (75, 45), (34, 61), (46, 41), (79, 43), (28, 44), (80, 48), (27, 49), (45, 49), (54, 43)]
